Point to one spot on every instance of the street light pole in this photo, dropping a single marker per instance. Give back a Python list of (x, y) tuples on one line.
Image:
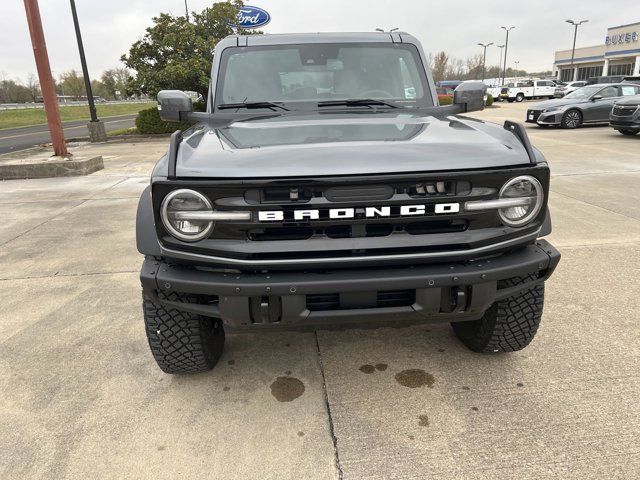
[(96, 127), (500, 62), (484, 56), (517, 62), (506, 48), (573, 49)]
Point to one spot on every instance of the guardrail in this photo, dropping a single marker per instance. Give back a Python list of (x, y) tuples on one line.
[(22, 106)]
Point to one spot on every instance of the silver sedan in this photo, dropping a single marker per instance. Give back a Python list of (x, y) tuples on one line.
[(589, 104)]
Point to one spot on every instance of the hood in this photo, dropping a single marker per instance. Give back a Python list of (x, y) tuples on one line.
[(299, 145), (633, 100), (557, 102)]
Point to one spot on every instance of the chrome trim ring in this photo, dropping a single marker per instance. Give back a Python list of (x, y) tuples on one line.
[(167, 224), (536, 209)]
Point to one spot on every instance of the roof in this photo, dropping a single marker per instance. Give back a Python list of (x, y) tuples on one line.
[(319, 37)]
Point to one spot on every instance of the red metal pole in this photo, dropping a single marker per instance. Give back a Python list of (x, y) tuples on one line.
[(44, 74)]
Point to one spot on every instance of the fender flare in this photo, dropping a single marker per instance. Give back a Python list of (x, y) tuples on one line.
[(546, 225), (146, 238)]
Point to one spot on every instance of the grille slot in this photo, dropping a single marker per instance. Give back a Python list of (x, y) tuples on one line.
[(280, 233), (381, 299), (396, 298), (323, 301)]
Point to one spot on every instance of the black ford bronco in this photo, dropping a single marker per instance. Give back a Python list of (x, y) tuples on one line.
[(326, 187)]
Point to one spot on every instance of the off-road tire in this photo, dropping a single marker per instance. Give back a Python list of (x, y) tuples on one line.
[(509, 325), (182, 342), (628, 132), (569, 121)]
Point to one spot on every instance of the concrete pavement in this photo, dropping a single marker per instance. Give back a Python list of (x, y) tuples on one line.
[(82, 398), (14, 139)]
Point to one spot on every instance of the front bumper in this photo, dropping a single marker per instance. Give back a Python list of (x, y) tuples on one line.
[(625, 123), (351, 297), (553, 117)]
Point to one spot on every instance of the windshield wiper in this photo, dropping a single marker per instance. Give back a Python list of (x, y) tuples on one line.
[(271, 105), (356, 102)]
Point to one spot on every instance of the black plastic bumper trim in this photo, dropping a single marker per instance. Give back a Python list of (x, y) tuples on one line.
[(235, 290)]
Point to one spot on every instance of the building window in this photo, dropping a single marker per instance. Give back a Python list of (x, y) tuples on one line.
[(587, 72), (566, 74), (621, 69)]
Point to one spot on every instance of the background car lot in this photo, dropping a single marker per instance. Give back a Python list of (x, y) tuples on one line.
[(83, 398)]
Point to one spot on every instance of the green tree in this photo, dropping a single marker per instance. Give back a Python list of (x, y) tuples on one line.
[(115, 80), (176, 52), (71, 83)]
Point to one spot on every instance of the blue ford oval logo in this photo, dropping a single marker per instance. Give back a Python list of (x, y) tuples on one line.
[(251, 17)]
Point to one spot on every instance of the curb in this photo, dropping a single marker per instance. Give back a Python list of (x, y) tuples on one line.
[(60, 168)]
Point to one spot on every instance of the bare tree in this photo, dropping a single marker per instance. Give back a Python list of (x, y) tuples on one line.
[(33, 85), (474, 66), (440, 62)]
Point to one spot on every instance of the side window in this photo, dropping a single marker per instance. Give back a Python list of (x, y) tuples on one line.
[(609, 92), (629, 90)]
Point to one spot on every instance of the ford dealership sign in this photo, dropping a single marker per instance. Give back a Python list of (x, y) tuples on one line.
[(251, 17)]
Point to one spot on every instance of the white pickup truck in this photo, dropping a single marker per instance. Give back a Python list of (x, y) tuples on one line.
[(528, 89)]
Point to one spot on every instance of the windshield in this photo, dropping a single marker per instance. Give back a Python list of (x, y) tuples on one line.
[(294, 75), (584, 92)]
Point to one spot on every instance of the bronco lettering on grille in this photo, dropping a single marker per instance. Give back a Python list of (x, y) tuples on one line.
[(347, 213)]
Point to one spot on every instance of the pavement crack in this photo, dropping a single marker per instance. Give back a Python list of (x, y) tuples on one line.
[(60, 275), (334, 439)]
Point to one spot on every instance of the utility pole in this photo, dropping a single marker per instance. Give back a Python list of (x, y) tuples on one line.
[(506, 48), (47, 84), (96, 127), (500, 62), (484, 56), (573, 50)]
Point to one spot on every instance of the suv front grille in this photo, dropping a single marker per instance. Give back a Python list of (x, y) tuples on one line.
[(624, 110)]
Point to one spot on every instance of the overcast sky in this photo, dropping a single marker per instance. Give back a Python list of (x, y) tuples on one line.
[(109, 27)]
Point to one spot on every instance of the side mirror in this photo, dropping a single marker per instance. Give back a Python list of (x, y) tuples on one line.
[(596, 97), (174, 105), (470, 96)]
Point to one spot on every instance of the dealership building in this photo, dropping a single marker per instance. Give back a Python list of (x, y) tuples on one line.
[(619, 54)]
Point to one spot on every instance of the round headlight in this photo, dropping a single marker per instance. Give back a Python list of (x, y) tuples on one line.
[(526, 187), (175, 210)]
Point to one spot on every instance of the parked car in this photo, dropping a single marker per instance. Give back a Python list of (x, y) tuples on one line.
[(528, 89), (445, 93), (566, 88), (588, 104), (495, 92), (605, 79), (368, 208), (625, 115)]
